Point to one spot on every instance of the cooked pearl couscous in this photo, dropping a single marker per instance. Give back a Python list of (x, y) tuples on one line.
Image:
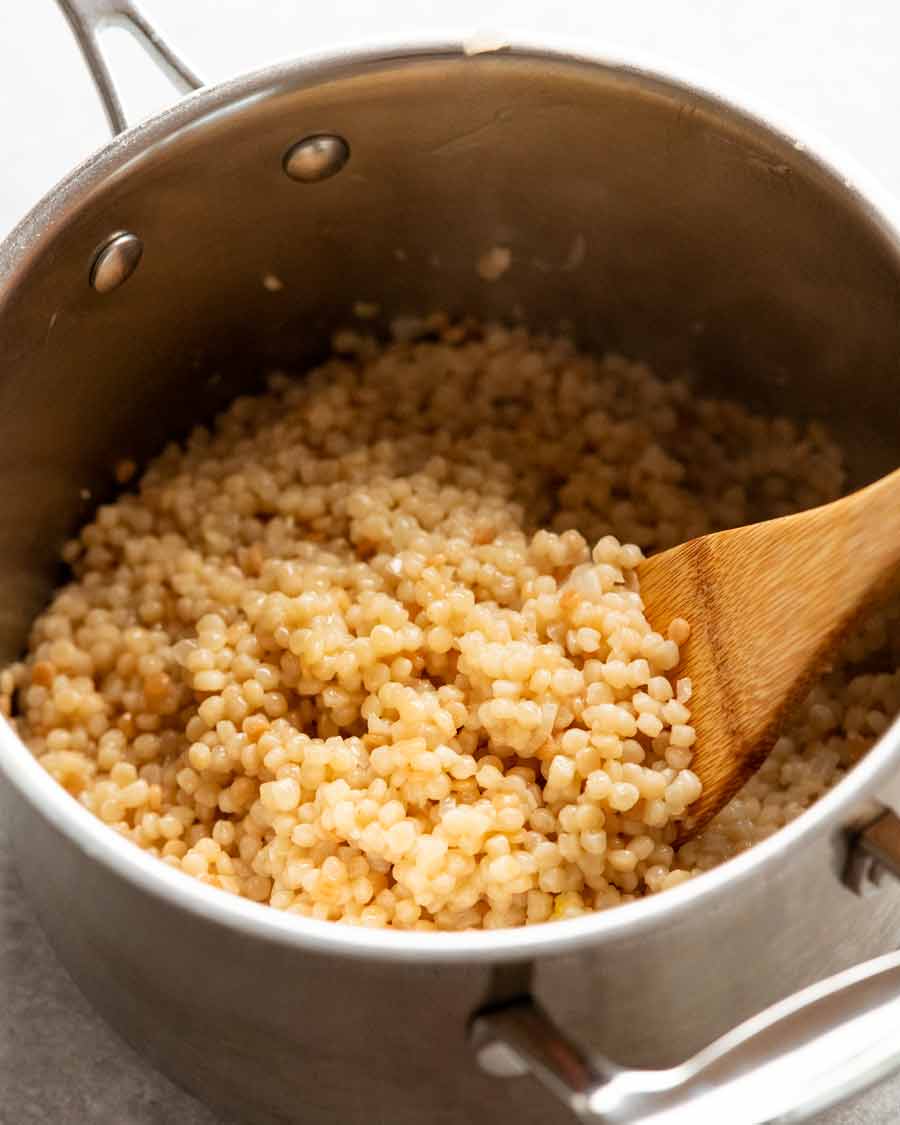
[(372, 648)]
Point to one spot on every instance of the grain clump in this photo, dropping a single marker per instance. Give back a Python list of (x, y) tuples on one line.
[(371, 648)]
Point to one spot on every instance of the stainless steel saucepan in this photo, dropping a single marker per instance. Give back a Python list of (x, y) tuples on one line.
[(650, 215)]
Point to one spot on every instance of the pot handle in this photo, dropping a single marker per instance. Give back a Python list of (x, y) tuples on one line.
[(87, 18), (804, 1053)]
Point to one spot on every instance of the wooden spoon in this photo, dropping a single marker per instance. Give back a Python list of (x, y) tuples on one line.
[(766, 605)]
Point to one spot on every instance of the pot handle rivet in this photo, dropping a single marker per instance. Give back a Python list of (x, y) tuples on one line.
[(116, 261), (874, 853), (316, 158)]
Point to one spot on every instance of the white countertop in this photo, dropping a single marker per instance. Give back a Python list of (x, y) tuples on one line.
[(831, 63)]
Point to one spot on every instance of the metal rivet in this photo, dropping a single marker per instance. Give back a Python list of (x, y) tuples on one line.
[(316, 158), (116, 261), (874, 855)]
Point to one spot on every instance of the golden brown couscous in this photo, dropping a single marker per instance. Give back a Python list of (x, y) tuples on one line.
[(371, 648)]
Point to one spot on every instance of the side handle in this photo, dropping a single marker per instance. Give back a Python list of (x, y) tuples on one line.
[(803, 1054), (87, 18)]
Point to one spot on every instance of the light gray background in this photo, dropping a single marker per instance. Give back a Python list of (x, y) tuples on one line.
[(831, 63)]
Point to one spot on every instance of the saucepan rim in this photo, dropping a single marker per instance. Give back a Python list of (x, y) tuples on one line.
[(708, 891)]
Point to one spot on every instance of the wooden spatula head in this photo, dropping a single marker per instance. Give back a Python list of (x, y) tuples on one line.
[(767, 604)]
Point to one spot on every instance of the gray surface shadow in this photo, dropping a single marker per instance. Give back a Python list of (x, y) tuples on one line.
[(59, 1061)]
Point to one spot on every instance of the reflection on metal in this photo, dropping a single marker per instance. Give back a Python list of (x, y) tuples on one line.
[(116, 262), (316, 158)]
